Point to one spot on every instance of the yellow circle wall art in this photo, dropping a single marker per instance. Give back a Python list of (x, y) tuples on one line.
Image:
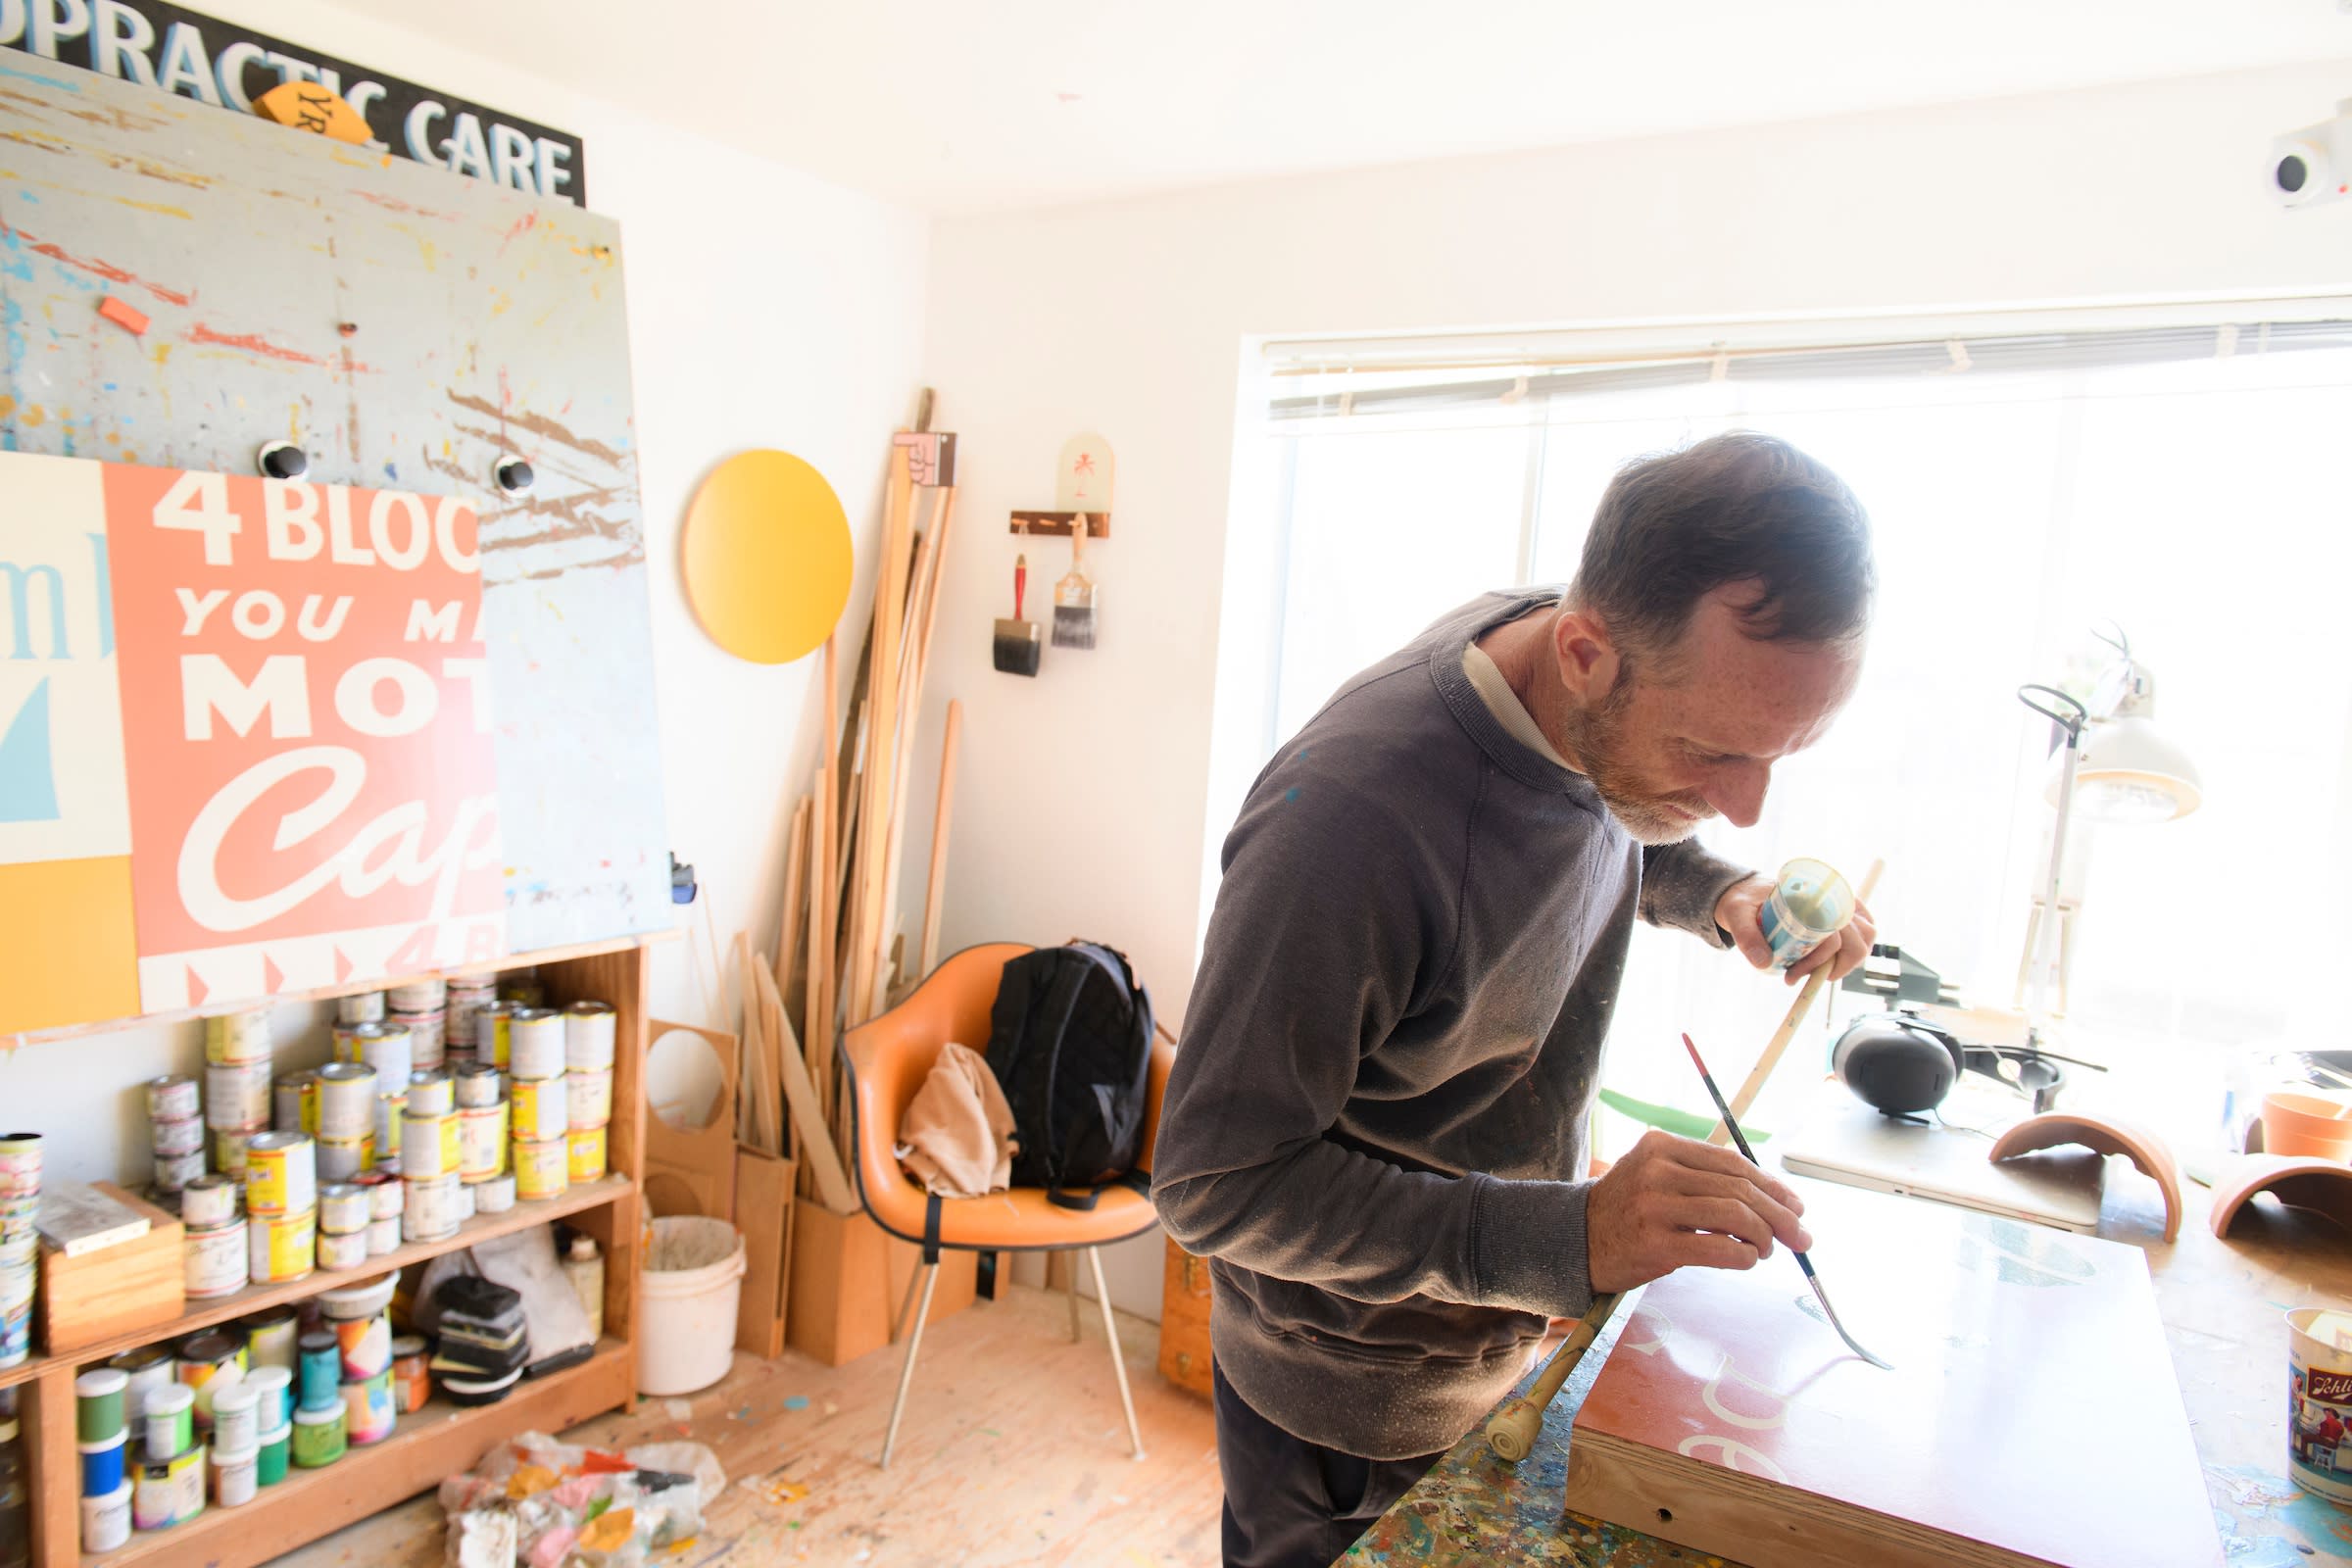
[(767, 557)]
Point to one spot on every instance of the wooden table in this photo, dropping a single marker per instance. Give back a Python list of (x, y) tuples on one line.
[(2222, 1304)]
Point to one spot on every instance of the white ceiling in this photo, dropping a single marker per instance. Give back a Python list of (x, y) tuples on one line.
[(970, 105)]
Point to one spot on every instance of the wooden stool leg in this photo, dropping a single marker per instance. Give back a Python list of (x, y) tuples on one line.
[(1135, 1436), (1076, 1333), (914, 1342)]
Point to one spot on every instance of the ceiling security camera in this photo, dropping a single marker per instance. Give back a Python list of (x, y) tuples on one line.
[(2313, 165)]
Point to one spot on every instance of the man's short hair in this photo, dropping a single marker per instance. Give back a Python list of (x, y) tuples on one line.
[(1737, 508)]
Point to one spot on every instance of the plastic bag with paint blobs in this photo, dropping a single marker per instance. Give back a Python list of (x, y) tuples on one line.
[(534, 1502)]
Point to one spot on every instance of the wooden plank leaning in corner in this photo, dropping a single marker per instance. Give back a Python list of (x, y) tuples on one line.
[(890, 605), (816, 1150), (945, 815), (793, 904), (922, 609)]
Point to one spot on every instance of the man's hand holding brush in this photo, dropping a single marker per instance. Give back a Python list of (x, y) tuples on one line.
[(1674, 1203)]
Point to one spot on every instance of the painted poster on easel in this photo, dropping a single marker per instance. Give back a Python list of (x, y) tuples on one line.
[(307, 727)]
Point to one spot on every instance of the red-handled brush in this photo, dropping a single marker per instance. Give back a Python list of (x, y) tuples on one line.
[(1020, 644)]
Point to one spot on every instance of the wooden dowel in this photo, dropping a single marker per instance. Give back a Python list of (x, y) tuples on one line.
[(788, 914), (1748, 1091), (1511, 1431), (940, 819)]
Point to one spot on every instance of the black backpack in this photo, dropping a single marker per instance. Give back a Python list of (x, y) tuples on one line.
[(1070, 1044)]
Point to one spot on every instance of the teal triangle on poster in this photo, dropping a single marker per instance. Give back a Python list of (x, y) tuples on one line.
[(27, 776)]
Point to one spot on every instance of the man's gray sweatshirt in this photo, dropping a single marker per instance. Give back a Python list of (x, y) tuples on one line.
[(1375, 1126)]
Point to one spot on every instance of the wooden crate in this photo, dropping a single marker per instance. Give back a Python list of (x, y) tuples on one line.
[(1185, 1358), (849, 1279), (116, 1290)]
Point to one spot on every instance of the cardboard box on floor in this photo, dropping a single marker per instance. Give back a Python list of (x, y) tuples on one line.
[(849, 1279)]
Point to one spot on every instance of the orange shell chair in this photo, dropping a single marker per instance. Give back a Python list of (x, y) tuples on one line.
[(886, 1059)]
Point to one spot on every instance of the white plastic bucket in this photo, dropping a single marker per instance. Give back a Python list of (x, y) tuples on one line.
[(692, 1288)]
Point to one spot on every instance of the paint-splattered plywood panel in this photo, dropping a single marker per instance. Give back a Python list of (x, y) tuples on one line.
[(2031, 1415), (408, 329)]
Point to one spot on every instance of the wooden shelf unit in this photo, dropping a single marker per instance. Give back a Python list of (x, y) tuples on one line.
[(438, 1440)]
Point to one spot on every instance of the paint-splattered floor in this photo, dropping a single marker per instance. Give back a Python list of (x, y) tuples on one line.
[(1012, 1452)]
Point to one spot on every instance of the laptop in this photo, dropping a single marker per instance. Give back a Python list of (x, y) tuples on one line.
[(1847, 1141)]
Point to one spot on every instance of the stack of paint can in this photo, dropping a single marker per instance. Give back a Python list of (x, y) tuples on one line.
[(431, 1158), (237, 1085), (281, 1206), (524, 987), (384, 1193), (20, 1242), (212, 1245), (482, 1133), (345, 1211), (465, 1034), (588, 1034), (542, 1106), (167, 1479), (422, 1006), (272, 1383), (102, 1427), (382, 1051), (175, 1130), (364, 1347), (319, 1431), (347, 1114)]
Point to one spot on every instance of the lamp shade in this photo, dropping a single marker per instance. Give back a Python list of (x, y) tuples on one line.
[(2131, 771)]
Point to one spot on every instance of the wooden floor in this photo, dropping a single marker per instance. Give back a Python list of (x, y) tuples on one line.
[(1012, 1451)]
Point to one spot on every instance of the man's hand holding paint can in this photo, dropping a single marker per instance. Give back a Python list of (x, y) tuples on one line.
[(1805, 918)]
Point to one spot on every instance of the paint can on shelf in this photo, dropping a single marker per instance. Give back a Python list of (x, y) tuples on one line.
[(495, 1196), (389, 1109), (542, 1108), (106, 1521), (418, 995), (281, 1175), (167, 1421), (319, 1434), (320, 1370), (99, 1412), (277, 1448), (524, 987), (237, 1417), (431, 1092), (276, 1386), (368, 1006), (173, 1097), (102, 1465), (339, 1253), (294, 1101), (383, 1236), (281, 1247), (149, 1368), (155, 1500), (468, 997), (429, 1209), (483, 1142), (477, 1084), (427, 1038), (591, 1095), (346, 1159), (493, 1033), (588, 1035), (390, 1048), (428, 1147), (208, 1200), (368, 1410), (205, 1361), (237, 1095), (237, 1037), (232, 1147), (173, 1172), (534, 1043), (179, 1135), (584, 1155), (270, 1340), (542, 1170), (465, 1208), (365, 1344), (346, 1100), (344, 1207), (383, 1194), (412, 1381), (235, 1473), (214, 1259)]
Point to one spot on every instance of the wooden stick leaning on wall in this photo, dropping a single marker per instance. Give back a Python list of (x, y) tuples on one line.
[(794, 906), (942, 816), (815, 1144), (767, 1131), (881, 739), (923, 603)]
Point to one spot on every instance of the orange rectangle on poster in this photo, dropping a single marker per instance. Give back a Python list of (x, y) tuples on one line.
[(65, 946)]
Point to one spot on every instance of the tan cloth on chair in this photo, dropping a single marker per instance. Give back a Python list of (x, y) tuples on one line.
[(957, 1135)]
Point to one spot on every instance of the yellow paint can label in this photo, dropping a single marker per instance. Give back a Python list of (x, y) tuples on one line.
[(542, 1169), (284, 1246), (587, 1159)]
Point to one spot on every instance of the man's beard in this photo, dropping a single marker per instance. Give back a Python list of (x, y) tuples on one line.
[(1596, 741)]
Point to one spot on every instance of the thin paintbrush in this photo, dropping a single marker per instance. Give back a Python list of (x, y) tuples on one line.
[(1802, 1261)]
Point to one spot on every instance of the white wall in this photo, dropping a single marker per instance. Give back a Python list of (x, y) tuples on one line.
[(765, 309), (1085, 795)]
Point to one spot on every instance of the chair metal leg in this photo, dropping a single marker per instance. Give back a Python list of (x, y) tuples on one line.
[(898, 1325), (914, 1342), (1076, 1333), (1135, 1436)]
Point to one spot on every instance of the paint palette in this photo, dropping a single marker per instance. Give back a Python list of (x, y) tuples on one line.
[(2031, 1415)]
